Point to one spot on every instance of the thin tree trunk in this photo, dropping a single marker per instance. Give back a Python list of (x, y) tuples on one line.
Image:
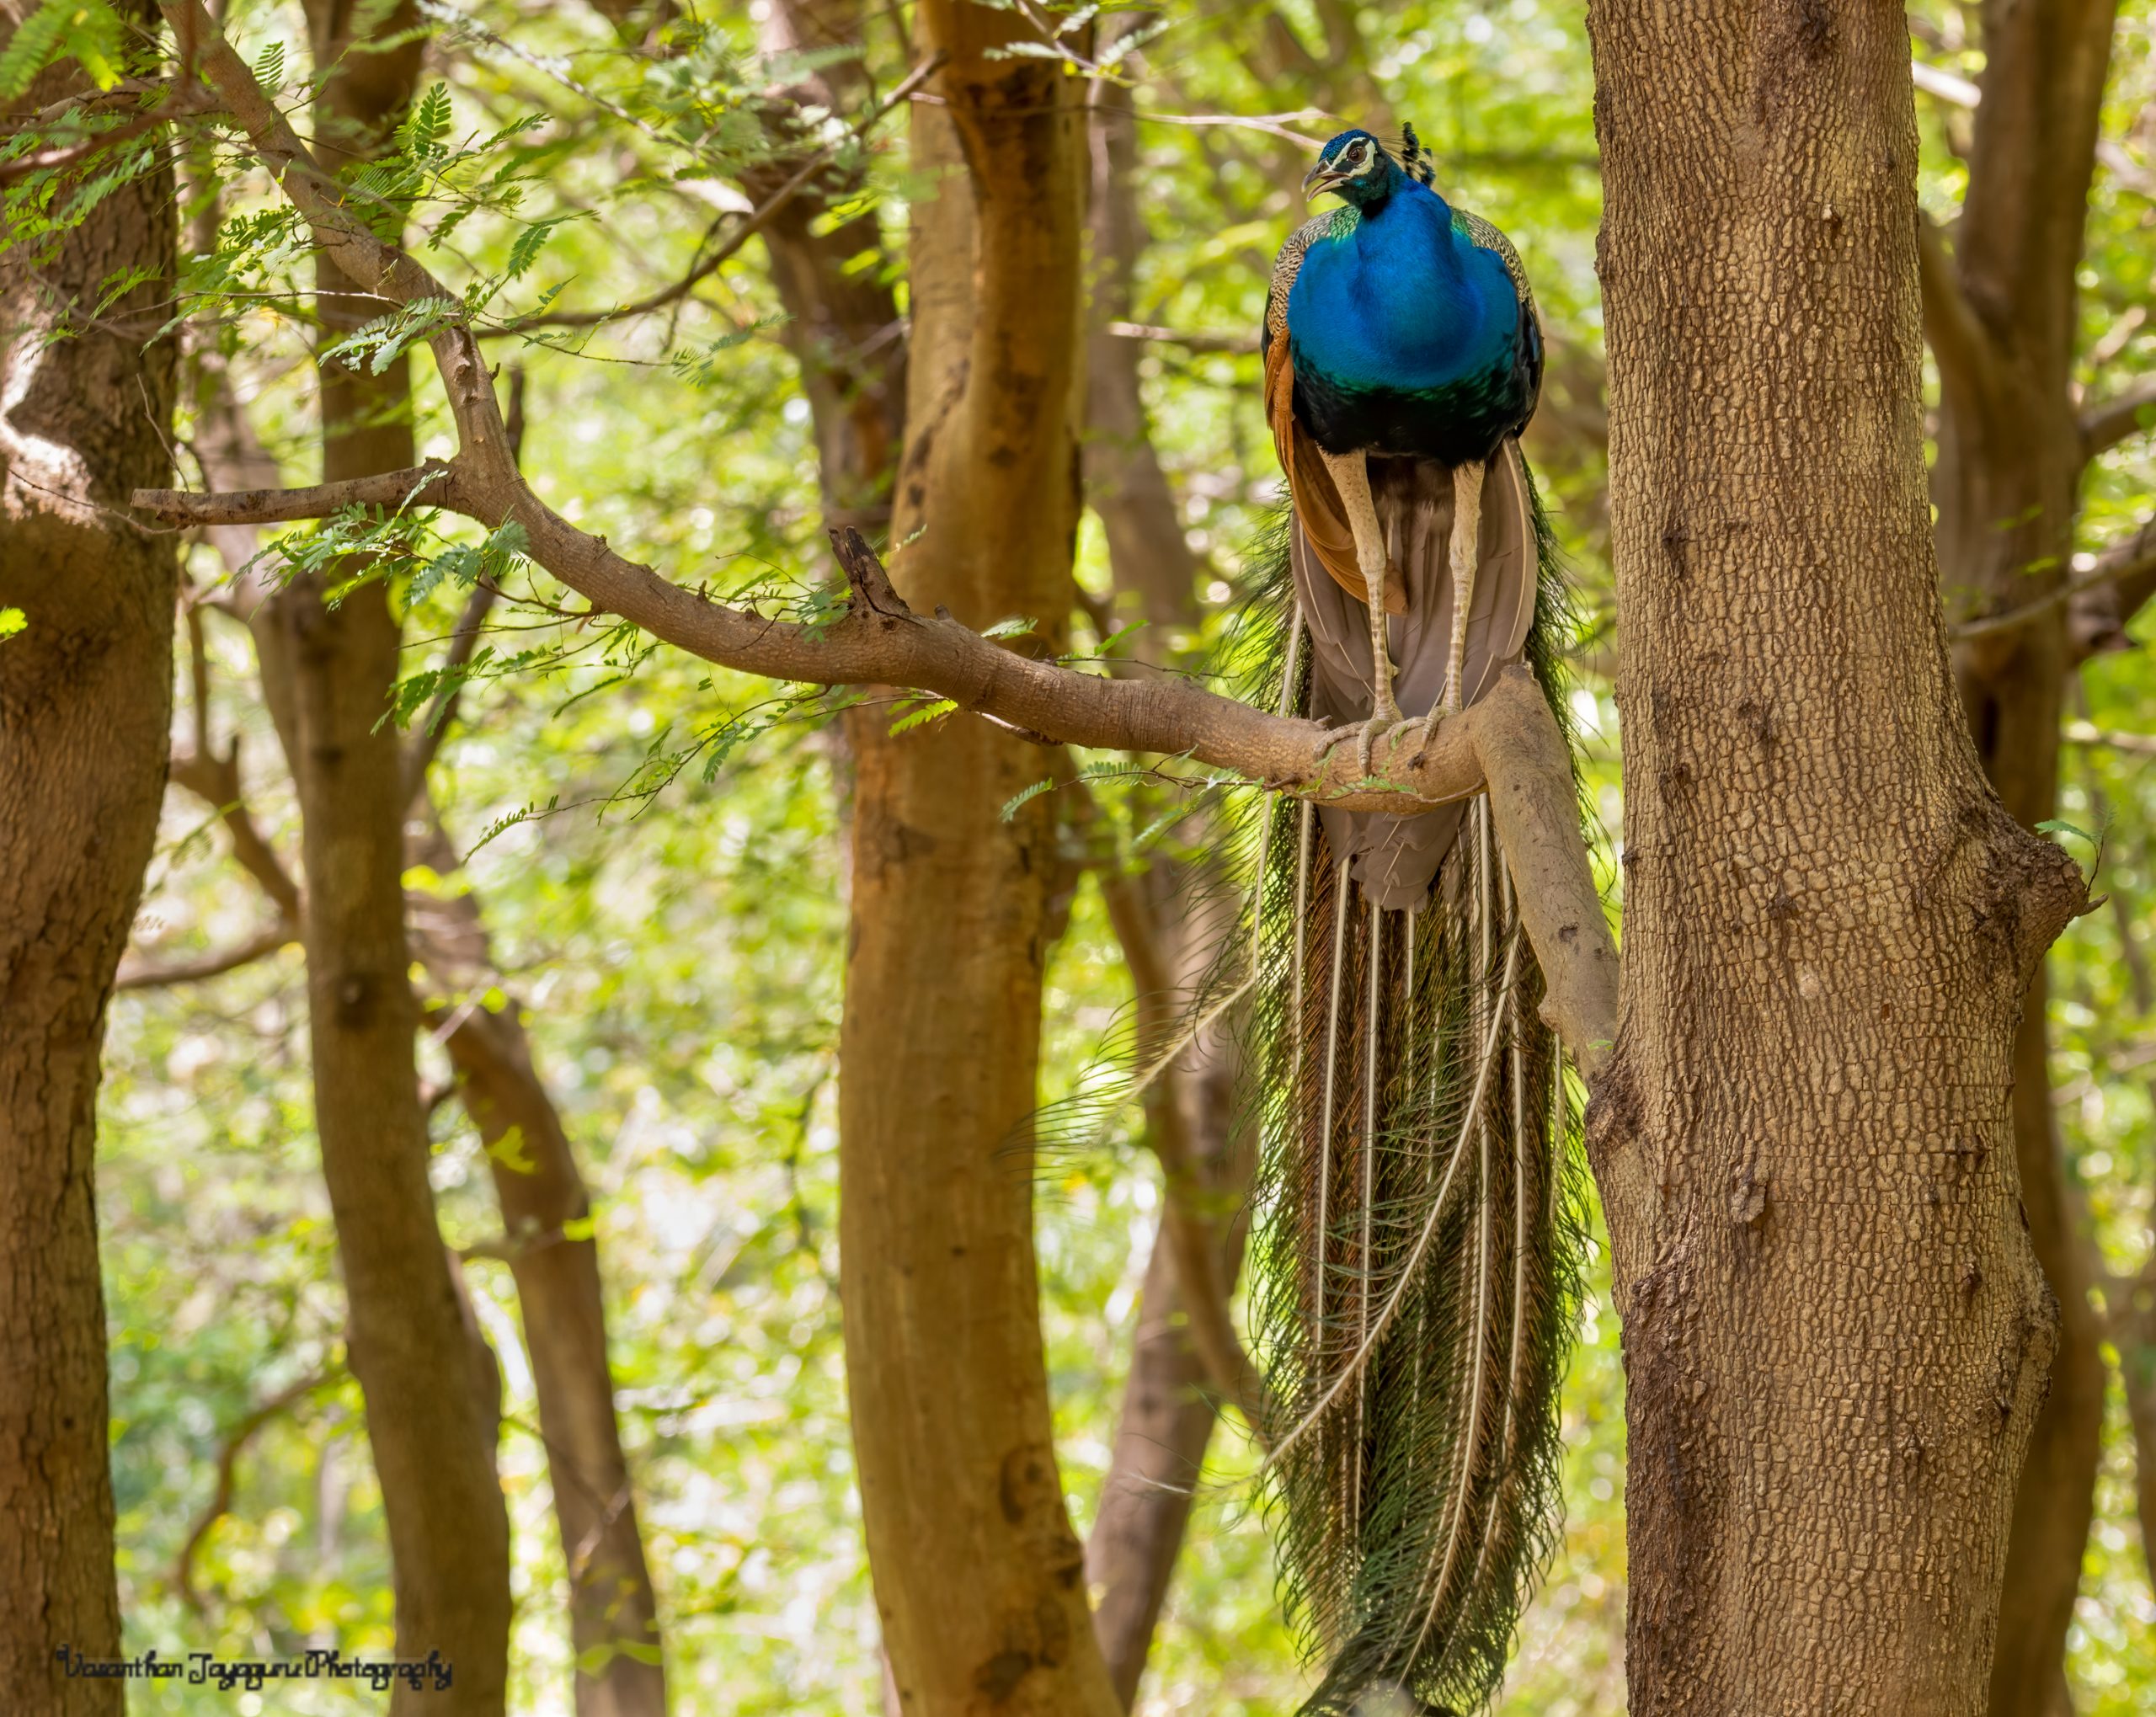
[(1804, 1138), (85, 715), (546, 1214), (980, 1579), (843, 325), (1124, 484), (1168, 1409), (1170, 1398), (1161, 1437), (431, 1417), (2133, 1321), (612, 1609), (2005, 483)]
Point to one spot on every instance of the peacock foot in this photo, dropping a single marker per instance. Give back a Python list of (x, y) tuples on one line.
[(1388, 723)]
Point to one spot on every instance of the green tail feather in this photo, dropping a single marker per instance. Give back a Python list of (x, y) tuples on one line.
[(1417, 1257)]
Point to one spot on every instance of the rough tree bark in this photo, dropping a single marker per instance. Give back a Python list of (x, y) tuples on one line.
[(85, 712), (2004, 334), (980, 1579), (430, 1403), (1804, 1139)]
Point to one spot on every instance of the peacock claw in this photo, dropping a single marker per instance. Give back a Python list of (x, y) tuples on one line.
[(1387, 723)]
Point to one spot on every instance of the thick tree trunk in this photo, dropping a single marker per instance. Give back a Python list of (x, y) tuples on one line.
[(2005, 483), (613, 1613), (430, 1405), (980, 1579), (85, 714), (1804, 1138)]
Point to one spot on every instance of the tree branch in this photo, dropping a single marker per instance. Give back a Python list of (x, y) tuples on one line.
[(144, 975), (1241, 345), (755, 222), (214, 778), (442, 712), (430, 485), (62, 155), (879, 640), (464, 641), (2109, 422), (2089, 734), (1534, 802), (2129, 566), (221, 1500)]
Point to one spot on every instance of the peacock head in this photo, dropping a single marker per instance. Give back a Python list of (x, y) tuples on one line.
[(1354, 166)]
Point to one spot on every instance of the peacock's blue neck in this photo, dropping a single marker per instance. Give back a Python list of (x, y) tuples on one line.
[(1394, 298)]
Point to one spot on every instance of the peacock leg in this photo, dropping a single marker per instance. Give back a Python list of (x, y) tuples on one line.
[(1351, 475), (1467, 554)]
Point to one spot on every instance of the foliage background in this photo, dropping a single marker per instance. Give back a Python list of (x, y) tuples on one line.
[(678, 942)]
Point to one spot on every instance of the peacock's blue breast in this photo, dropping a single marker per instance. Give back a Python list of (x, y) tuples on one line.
[(1397, 300)]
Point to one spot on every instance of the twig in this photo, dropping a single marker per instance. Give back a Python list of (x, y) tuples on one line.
[(2087, 734), (221, 1500), (751, 224), (1238, 343), (174, 107)]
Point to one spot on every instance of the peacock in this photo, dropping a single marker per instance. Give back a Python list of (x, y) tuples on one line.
[(1418, 1233)]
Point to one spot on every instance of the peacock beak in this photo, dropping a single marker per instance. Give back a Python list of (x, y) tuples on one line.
[(1321, 179)]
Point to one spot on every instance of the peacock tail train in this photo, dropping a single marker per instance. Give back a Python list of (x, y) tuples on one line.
[(1418, 1224)]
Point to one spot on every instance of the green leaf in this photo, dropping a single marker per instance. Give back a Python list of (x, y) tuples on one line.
[(509, 1151), (12, 621), (86, 31), (1018, 802), (419, 137), (941, 706), (694, 365), (1017, 626), (533, 240), (2059, 825), (269, 68)]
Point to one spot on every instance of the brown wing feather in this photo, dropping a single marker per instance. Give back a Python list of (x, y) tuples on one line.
[(1310, 485), (1317, 501)]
